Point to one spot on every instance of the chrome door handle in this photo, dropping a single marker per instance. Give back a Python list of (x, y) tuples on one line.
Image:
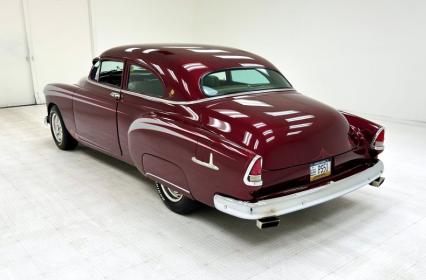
[(209, 164), (115, 95)]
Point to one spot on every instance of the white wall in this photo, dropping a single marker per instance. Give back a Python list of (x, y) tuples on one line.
[(61, 37), (60, 41), (15, 81), (364, 56), (141, 21)]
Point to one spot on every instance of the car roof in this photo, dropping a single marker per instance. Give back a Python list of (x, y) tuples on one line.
[(182, 65)]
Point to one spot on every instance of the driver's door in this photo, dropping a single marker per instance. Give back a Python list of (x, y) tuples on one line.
[(95, 107)]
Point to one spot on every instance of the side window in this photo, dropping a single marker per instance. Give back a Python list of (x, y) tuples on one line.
[(94, 72), (144, 82), (111, 73)]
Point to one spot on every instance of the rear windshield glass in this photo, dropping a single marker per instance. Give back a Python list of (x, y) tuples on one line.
[(242, 80)]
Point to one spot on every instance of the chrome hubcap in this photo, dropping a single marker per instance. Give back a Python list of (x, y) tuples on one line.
[(56, 127), (172, 195)]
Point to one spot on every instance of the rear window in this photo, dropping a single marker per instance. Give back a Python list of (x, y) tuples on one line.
[(242, 80)]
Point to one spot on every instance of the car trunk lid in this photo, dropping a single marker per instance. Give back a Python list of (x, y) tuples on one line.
[(285, 128)]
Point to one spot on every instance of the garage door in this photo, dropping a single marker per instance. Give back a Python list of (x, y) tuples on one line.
[(16, 82), (60, 42)]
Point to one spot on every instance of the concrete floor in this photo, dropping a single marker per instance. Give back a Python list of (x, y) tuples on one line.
[(83, 215)]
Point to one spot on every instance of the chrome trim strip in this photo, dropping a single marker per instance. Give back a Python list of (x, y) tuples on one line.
[(374, 140), (172, 102), (246, 174), (150, 98), (156, 99), (297, 201), (209, 164), (168, 182)]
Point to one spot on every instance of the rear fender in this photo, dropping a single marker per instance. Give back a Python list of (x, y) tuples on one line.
[(162, 148), (166, 172), (366, 127), (219, 166), (170, 151)]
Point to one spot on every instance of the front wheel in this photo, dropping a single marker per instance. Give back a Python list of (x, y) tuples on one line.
[(61, 136), (176, 201)]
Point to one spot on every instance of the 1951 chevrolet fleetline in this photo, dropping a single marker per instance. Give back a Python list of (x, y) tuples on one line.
[(217, 126)]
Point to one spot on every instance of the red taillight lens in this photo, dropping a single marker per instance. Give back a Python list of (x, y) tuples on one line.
[(379, 140), (257, 167), (253, 176)]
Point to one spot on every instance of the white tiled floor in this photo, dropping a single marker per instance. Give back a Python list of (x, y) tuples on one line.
[(83, 215)]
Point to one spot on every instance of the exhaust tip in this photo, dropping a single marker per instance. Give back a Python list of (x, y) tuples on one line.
[(378, 182), (268, 222)]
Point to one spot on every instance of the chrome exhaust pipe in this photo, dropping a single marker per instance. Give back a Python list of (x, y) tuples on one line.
[(267, 222), (376, 183)]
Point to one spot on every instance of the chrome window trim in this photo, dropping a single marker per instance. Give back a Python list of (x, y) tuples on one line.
[(167, 182), (172, 102), (372, 146), (147, 97)]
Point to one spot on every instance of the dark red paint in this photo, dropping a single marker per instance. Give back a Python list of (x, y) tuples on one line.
[(160, 137)]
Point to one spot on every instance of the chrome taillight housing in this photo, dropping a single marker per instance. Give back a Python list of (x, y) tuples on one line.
[(377, 143), (253, 174)]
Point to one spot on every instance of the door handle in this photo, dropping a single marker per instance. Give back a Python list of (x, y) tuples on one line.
[(115, 95)]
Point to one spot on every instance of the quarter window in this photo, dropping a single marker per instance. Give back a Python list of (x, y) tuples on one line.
[(144, 82), (111, 73)]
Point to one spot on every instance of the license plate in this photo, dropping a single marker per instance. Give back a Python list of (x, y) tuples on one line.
[(320, 169)]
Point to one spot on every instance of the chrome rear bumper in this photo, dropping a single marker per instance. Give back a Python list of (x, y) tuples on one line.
[(297, 201)]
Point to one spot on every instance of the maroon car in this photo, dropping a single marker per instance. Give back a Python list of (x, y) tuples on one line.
[(218, 126)]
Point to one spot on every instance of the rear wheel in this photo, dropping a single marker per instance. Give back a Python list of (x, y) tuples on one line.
[(176, 201), (61, 136)]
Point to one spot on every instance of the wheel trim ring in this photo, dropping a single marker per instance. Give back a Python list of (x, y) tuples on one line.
[(171, 195), (57, 127)]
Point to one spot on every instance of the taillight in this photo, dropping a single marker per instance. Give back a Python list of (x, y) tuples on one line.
[(378, 140), (253, 175)]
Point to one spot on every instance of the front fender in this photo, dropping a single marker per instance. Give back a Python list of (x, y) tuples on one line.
[(61, 95)]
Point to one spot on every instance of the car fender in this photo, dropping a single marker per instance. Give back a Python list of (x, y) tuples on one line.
[(161, 148), (61, 95)]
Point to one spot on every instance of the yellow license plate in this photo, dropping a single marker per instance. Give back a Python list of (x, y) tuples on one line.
[(320, 169)]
